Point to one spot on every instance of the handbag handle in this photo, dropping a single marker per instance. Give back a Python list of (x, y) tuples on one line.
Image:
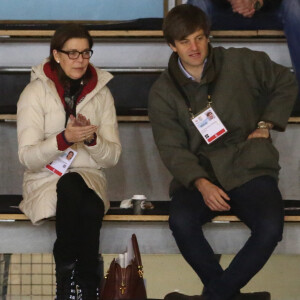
[(137, 255)]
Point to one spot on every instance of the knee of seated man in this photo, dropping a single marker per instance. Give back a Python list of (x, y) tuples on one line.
[(186, 212), (270, 232), (176, 222), (184, 221)]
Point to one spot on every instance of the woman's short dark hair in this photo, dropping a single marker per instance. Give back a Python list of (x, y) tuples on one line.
[(63, 34), (183, 20)]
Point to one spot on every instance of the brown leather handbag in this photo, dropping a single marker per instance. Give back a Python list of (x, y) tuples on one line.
[(125, 283)]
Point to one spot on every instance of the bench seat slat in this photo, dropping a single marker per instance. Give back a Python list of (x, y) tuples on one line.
[(145, 33), (141, 218), (9, 211), (13, 117)]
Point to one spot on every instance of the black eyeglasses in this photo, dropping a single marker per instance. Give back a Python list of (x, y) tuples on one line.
[(74, 54)]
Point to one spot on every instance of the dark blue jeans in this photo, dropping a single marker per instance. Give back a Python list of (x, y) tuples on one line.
[(285, 16), (258, 203)]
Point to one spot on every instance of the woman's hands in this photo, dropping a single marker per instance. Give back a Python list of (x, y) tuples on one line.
[(79, 129)]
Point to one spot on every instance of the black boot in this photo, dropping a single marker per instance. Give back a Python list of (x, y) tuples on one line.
[(88, 292), (88, 288), (88, 281), (65, 282)]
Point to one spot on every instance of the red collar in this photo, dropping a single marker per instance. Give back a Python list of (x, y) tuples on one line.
[(52, 74)]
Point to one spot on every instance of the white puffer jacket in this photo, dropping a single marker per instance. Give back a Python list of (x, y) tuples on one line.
[(40, 117)]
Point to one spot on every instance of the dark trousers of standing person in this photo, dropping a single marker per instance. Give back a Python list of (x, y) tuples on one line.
[(79, 216), (258, 203)]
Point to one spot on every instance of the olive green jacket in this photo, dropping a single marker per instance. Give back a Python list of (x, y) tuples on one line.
[(248, 87)]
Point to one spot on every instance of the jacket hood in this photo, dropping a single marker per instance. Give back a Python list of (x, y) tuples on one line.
[(103, 77)]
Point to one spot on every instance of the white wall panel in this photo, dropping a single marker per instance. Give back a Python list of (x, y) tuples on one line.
[(121, 54)]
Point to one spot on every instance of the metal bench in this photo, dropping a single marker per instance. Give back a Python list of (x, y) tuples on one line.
[(226, 233)]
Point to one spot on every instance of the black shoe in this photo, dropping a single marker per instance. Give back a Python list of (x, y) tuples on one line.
[(65, 282), (253, 296), (178, 296)]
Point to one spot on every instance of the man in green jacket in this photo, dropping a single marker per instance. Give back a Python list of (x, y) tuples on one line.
[(211, 112)]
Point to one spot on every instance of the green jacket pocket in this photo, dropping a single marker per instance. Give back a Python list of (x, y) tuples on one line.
[(257, 154)]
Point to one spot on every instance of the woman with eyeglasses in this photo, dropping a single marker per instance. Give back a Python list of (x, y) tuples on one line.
[(67, 106)]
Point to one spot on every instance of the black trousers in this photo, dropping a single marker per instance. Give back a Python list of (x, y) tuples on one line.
[(258, 204), (79, 217)]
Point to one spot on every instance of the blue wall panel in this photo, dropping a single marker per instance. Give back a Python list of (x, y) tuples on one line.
[(80, 9)]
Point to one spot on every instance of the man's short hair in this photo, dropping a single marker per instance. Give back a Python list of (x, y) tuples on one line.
[(183, 20)]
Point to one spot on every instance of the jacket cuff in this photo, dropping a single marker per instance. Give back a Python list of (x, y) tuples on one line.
[(93, 142), (62, 143)]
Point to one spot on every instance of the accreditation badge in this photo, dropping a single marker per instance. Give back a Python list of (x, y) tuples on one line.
[(62, 163), (209, 125)]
